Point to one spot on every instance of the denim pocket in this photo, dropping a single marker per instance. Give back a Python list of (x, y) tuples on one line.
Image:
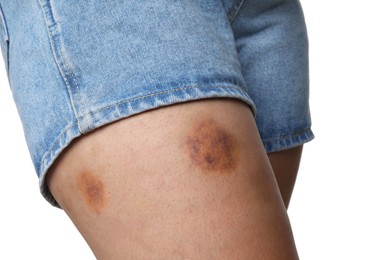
[(4, 40)]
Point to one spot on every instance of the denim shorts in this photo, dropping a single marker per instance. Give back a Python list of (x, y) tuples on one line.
[(74, 66)]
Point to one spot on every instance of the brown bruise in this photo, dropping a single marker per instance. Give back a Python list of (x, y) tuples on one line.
[(211, 148), (93, 191)]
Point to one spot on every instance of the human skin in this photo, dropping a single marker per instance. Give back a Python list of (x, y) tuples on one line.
[(188, 181), (285, 165)]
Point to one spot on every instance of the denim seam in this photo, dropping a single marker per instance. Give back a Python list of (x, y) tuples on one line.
[(235, 9), (58, 139), (50, 150), (288, 141), (156, 94), (283, 136), (56, 50), (3, 21), (6, 34)]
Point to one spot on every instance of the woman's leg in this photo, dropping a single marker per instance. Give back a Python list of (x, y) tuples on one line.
[(285, 165), (189, 181)]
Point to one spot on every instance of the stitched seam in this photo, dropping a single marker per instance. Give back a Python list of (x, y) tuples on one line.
[(156, 94), (6, 40), (5, 31), (58, 139), (123, 102), (287, 135), (237, 9), (58, 62)]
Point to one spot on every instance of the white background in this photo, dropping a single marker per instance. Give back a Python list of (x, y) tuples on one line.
[(340, 207)]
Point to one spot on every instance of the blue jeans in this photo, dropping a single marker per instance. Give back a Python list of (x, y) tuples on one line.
[(74, 66)]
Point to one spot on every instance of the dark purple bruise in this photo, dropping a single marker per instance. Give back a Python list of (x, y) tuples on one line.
[(212, 148)]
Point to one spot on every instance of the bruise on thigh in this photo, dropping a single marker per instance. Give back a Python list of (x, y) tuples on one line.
[(211, 148), (93, 191)]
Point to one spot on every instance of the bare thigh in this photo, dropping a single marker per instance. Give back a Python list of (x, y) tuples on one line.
[(285, 165), (189, 181)]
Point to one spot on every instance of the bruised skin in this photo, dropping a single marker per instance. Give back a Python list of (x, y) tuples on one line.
[(211, 148), (191, 180), (93, 191), (208, 146)]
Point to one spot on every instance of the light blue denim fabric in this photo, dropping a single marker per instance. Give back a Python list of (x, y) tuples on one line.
[(272, 44), (74, 66)]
